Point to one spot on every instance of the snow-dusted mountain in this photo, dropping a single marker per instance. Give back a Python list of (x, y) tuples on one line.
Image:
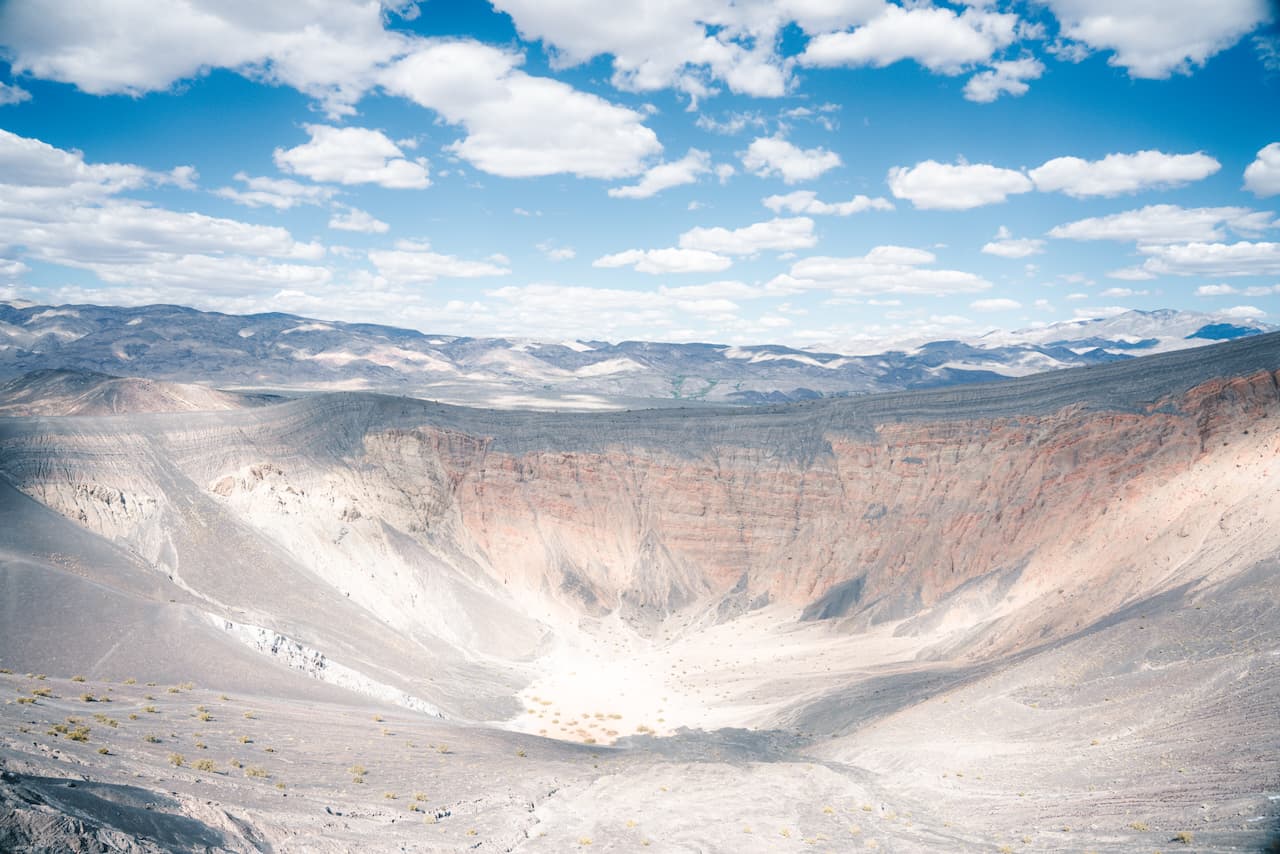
[(281, 351), (1133, 332)]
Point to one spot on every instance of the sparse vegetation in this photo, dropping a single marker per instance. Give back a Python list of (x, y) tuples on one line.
[(103, 751), (1140, 826), (77, 678), (151, 738), (1186, 837), (256, 771), (206, 765), (176, 759)]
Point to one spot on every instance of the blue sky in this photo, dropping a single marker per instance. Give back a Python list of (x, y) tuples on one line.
[(825, 173)]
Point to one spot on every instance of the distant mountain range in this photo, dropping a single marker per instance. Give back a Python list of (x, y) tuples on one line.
[(290, 353)]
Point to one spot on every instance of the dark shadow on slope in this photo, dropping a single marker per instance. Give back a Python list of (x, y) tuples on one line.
[(851, 708), (135, 812), (730, 744)]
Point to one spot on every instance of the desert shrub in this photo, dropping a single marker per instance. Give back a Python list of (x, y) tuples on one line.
[(176, 759), (206, 765), (256, 771)]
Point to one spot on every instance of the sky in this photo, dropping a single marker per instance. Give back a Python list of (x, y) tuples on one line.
[(834, 174)]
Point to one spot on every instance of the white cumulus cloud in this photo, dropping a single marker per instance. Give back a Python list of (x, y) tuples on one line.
[(934, 36), (774, 156), (806, 202), (353, 155), (995, 304), (1242, 312), (1122, 173), (1262, 176), (666, 175), (1167, 224), (1007, 246), (1243, 258), (556, 253), (663, 261), (1156, 38), (279, 193), (415, 263), (519, 125), (782, 233), (327, 49), (958, 186), (883, 270), (1004, 78), (13, 94), (354, 219)]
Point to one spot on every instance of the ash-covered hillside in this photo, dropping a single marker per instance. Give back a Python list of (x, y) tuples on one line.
[(1046, 604), (279, 351)]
